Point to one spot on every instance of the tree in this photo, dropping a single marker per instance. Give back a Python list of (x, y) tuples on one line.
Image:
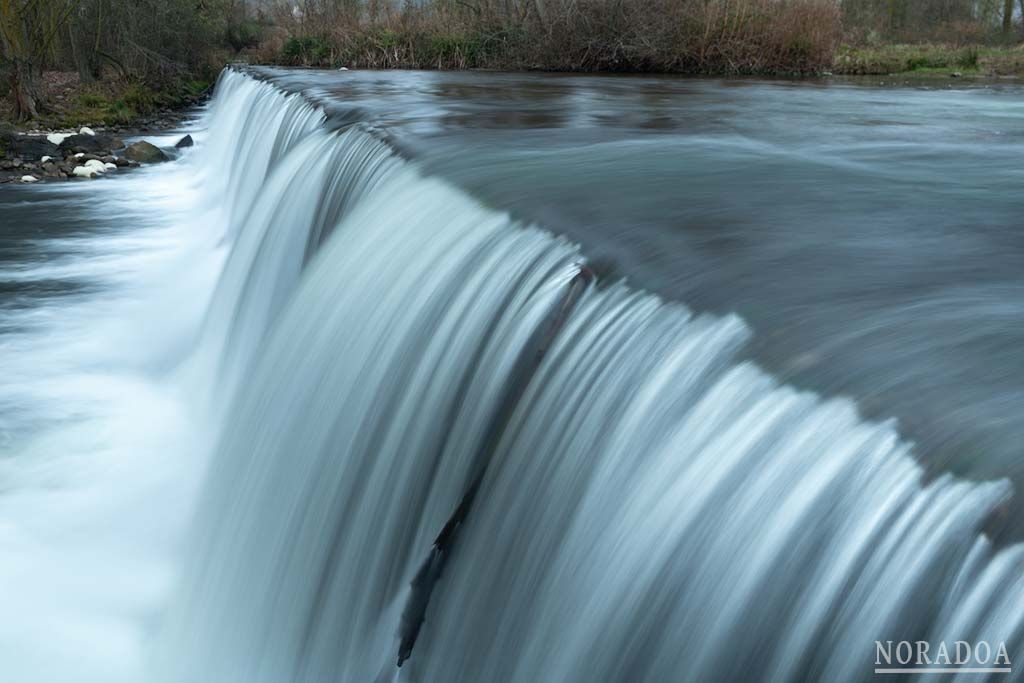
[(28, 29), (1008, 15)]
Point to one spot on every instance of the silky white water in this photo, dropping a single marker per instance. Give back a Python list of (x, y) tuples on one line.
[(234, 454)]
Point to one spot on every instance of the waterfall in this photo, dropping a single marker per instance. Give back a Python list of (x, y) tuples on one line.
[(437, 432)]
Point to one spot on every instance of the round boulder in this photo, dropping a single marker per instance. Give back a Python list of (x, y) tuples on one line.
[(145, 152)]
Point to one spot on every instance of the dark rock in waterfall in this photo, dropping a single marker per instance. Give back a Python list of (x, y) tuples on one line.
[(414, 614), (422, 585), (184, 142), (145, 152)]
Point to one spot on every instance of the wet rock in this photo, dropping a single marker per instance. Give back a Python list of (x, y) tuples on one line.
[(93, 144), (184, 142), (145, 152), (28, 146), (122, 162), (82, 143)]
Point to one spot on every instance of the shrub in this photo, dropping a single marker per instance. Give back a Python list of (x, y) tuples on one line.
[(722, 36), (305, 51), (89, 99), (241, 35)]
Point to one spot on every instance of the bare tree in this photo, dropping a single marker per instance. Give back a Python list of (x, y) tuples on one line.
[(28, 29)]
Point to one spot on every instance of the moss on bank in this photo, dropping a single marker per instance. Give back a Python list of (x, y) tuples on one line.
[(120, 103)]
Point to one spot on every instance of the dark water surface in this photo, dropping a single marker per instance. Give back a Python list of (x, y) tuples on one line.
[(873, 237)]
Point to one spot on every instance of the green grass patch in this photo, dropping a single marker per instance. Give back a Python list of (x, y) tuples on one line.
[(929, 60)]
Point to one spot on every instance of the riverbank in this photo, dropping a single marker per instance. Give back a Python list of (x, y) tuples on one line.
[(924, 60), (80, 134), (33, 156), (775, 56), (121, 106), (129, 107)]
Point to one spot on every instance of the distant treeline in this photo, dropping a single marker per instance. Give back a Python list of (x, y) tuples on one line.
[(159, 45), (694, 36)]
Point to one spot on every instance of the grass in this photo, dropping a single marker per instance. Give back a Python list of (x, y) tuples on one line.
[(930, 60)]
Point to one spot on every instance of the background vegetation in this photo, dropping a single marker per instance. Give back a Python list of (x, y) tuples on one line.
[(113, 60)]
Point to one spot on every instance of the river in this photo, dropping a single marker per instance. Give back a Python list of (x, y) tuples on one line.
[(519, 378)]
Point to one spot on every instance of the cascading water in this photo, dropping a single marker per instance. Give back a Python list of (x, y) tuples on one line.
[(649, 508), (431, 438)]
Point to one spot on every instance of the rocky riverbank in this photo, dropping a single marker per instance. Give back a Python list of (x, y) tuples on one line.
[(36, 156)]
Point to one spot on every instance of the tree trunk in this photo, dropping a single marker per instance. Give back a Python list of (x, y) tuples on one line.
[(24, 90), (1007, 16), (84, 64)]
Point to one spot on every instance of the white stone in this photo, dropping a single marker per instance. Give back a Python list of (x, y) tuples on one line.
[(85, 130), (97, 165), (57, 138), (85, 172), (45, 159), (80, 155), (29, 179), (344, 68), (110, 167)]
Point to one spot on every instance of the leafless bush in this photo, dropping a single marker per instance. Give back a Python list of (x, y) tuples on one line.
[(725, 36)]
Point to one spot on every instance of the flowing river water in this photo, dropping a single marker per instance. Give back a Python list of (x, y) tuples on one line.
[(527, 378)]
